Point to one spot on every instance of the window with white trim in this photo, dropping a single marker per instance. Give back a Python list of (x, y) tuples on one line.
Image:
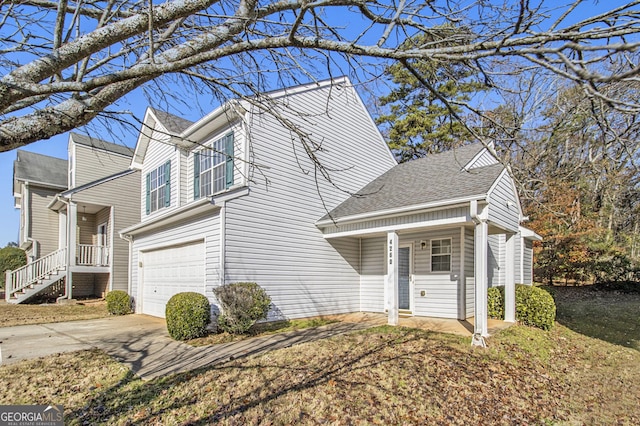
[(441, 255), (159, 188), (213, 168)]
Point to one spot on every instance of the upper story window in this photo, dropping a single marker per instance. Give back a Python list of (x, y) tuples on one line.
[(213, 168), (441, 255), (159, 188)]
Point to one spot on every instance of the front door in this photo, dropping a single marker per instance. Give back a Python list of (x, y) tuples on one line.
[(102, 252), (404, 278)]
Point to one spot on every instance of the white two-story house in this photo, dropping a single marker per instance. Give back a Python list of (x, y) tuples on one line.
[(297, 191)]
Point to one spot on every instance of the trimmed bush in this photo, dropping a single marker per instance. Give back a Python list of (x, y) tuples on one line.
[(535, 307), (11, 258), (495, 302), (242, 305), (187, 315), (118, 302)]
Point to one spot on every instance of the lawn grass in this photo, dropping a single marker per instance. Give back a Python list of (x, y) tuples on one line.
[(24, 314), (382, 375), (607, 315), (262, 329)]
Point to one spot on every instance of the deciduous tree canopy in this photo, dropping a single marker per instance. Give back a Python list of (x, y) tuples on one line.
[(64, 63)]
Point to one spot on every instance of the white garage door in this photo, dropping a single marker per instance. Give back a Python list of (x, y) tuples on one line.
[(169, 271)]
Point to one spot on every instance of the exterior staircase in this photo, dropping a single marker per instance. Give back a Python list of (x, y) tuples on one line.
[(31, 279)]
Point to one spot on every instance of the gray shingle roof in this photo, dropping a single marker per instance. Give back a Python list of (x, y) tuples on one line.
[(100, 144), (32, 167), (436, 178), (172, 123)]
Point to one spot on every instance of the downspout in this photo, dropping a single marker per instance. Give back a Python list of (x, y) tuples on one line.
[(223, 237)]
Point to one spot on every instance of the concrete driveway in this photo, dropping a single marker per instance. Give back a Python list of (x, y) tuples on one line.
[(142, 343)]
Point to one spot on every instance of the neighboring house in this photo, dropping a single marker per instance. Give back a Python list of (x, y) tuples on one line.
[(37, 179), (235, 197), (73, 223)]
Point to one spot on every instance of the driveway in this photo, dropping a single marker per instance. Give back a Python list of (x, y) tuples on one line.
[(142, 343)]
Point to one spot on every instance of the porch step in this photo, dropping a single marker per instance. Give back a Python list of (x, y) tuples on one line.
[(32, 290), (405, 313)]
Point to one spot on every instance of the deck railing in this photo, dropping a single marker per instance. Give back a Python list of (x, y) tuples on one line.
[(90, 255), (34, 271)]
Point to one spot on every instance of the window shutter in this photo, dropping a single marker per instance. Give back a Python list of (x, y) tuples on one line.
[(167, 183), (148, 193), (196, 175), (229, 162)]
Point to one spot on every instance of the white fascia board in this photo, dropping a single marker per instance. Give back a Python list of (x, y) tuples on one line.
[(529, 234), (223, 114), (143, 137), (417, 208), (403, 227), (184, 212)]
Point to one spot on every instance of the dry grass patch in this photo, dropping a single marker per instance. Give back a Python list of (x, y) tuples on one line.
[(379, 376), (23, 314), (262, 329)]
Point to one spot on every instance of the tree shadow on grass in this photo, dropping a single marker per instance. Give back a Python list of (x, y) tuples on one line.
[(610, 316), (239, 387)]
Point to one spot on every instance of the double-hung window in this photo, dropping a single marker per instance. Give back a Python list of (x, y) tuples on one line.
[(159, 188), (441, 255), (213, 167)]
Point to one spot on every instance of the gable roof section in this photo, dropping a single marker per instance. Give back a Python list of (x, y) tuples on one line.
[(100, 144), (434, 179), (172, 123), (40, 169)]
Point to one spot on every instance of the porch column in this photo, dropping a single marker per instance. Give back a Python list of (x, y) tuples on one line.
[(481, 277), (510, 279), (391, 280), (72, 217)]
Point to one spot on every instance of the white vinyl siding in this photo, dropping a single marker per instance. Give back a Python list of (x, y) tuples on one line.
[(496, 260), (159, 153), (503, 205), (484, 159), (440, 287), (469, 272), (271, 234), (372, 274)]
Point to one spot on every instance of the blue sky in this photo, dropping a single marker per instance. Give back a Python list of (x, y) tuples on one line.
[(57, 146)]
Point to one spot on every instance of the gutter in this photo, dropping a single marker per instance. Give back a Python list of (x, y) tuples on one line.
[(450, 203)]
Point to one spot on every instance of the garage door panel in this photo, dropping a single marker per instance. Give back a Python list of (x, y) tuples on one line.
[(169, 271)]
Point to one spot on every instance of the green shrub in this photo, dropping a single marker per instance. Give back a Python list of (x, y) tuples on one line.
[(187, 315), (495, 302), (535, 307), (11, 258), (118, 302), (242, 305)]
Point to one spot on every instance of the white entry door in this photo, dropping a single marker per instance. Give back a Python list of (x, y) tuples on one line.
[(404, 278), (169, 271)]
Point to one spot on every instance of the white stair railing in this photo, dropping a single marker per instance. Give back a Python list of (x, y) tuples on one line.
[(33, 272)]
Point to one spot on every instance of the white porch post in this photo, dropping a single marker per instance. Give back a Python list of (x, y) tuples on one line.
[(72, 217), (510, 279), (481, 277), (391, 280)]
